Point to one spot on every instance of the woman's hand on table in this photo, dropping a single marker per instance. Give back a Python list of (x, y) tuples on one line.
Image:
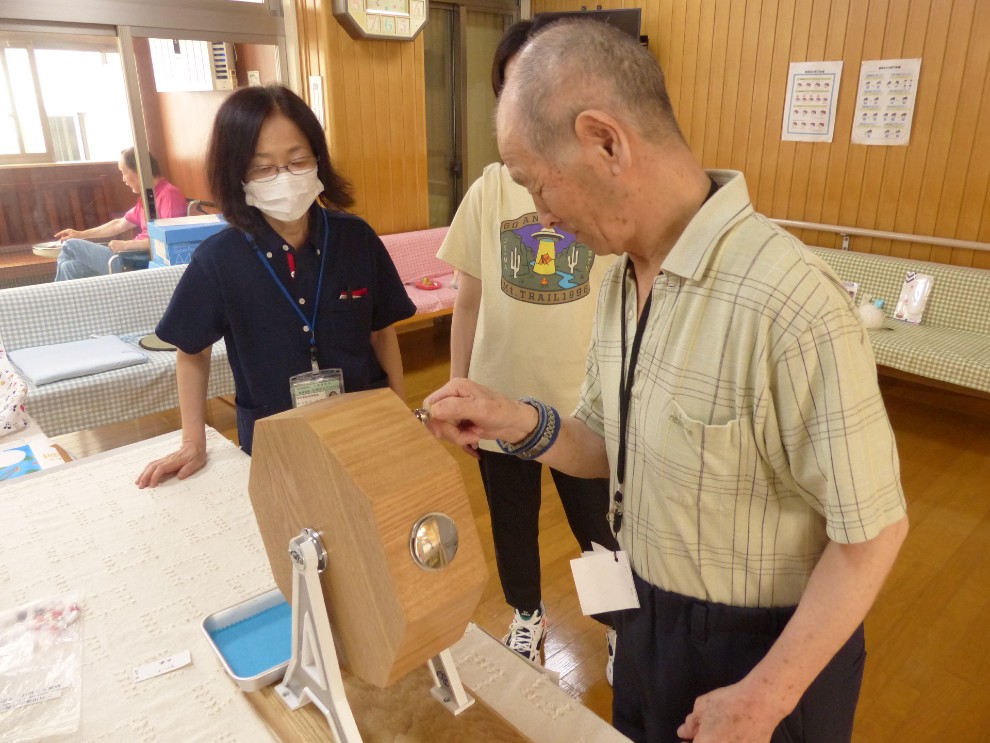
[(190, 458)]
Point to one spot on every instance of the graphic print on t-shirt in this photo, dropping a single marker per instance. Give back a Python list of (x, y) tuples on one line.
[(543, 266)]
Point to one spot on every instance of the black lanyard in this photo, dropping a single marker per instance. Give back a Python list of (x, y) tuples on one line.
[(308, 323), (626, 378)]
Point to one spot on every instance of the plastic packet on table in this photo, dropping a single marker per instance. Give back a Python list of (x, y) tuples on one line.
[(40, 669), (913, 298)]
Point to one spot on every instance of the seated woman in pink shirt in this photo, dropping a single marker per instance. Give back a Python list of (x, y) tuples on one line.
[(81, 258)]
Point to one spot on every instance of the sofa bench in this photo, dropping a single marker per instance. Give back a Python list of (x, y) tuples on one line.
[(127, 305), (415, 257), (951, 346)]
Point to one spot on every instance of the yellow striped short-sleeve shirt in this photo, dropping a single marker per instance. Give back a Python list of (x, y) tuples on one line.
[(756, 430)]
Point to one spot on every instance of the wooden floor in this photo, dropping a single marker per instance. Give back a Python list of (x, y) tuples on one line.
[(928, 673)]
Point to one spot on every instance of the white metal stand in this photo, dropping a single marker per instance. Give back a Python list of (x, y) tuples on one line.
[(447, 687), (313, 674)]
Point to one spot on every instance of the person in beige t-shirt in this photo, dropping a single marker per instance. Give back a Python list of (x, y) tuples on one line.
[(521, 325)]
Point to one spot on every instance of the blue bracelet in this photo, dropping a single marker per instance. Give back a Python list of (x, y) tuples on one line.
[(541, 438)]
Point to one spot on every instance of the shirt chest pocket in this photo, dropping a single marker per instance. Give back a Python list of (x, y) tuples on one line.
[(348, 317), (699, 465)]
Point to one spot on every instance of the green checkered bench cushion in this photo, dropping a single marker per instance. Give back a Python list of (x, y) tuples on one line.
[(127, 305), (953, 342)]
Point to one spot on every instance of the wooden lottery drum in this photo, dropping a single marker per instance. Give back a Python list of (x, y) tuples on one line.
[(373, 482)]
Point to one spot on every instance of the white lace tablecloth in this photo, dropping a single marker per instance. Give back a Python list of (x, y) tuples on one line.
[(149, 565)]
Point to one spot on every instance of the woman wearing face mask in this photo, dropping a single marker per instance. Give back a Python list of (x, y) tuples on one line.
[(295, 287)]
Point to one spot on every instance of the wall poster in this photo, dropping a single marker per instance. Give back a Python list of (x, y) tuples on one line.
[(809, 108), (885, 101)]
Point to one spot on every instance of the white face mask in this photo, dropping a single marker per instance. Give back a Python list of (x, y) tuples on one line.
[(286, 197)]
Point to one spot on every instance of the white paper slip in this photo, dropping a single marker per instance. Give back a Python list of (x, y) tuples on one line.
[(604, 582), (158, 667)]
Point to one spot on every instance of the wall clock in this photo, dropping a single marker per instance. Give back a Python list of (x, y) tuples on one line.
[(396, 20)]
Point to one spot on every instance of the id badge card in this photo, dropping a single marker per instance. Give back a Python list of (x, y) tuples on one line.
[(313, 386), (604, 581)]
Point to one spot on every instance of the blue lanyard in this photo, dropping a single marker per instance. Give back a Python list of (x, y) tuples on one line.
[(309, 323)]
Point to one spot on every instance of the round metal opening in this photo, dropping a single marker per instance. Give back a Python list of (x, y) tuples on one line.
[(433, 541)]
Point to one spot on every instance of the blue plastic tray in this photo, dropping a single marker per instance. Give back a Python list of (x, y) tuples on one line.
[(253, 639)]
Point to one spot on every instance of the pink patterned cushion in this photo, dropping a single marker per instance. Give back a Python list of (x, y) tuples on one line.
[(415, 254)]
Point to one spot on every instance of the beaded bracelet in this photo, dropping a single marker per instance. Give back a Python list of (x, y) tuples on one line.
[(542, 437)]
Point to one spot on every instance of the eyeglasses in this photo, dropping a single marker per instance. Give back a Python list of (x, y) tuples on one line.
[(300, 166)]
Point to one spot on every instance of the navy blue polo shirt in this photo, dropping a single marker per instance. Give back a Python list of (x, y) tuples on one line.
[(227, 292)]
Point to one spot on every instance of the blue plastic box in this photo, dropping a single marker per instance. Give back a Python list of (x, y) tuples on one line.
[(174, 240)]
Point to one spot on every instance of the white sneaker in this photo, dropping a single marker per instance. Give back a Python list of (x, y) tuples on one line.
[(526, 633), (610, 640)]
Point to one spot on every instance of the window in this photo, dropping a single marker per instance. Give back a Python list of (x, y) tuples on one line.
[(61, 100)]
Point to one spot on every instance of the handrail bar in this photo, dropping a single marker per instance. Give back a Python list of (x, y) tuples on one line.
[(882, 235)]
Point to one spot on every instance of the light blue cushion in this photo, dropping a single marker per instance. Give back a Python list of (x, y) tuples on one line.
[(46, 364)]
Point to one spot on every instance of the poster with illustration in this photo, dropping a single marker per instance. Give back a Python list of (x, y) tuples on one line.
[(809, 108), (885, 101)]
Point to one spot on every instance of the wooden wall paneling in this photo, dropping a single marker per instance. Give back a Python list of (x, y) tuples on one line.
[(880, 189), (869, 167), (944, 123), (703, 110), (762, 190), (974, 201), (958, 150), (843, 155), (414, 92), (649, 25), (900, 36), (822, 153), (864, 46), (729, 105), (387, 162), (788, 151), (716, 87), (849, 42), (806, 35), (322, 62), (663, 30), (675, 58), (344, 120), (746, 82), (762, 69), (367, 104), (370, 91), (688, 112), (737, 13), (397, 177), (935, 18)]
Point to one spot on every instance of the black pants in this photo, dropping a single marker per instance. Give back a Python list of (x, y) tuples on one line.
[(514, 494), (673, 649)]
